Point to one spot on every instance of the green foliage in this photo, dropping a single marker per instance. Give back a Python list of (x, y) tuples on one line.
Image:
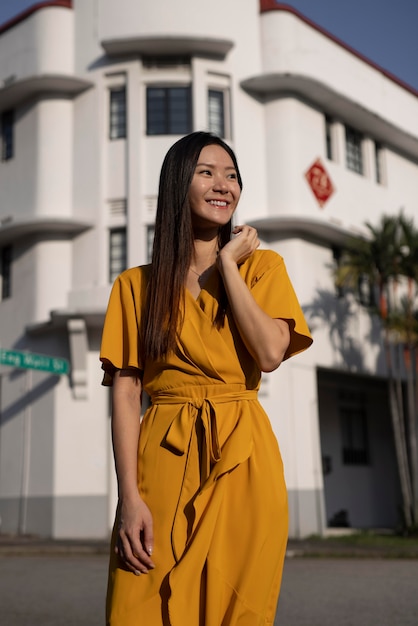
[(363, 543), (381, 270)]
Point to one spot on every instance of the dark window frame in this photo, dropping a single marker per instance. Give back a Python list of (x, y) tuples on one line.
[(329, 143), (7, 134), (117, 113), (220, 95), (378, 162), (150, 241), (118, 252), (164, 116), (6, 257), (354, 428), (354, 150)]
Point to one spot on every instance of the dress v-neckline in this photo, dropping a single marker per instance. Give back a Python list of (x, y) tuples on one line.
[(205, 284)]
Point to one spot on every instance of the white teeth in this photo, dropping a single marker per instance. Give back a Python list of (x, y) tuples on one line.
[(217, 202)]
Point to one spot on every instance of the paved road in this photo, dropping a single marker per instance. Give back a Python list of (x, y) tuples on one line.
[(52, 590), (349, 592), (68, 590)]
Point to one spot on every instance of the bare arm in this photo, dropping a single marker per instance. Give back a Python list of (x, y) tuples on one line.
[(135, 541), (265, 338)]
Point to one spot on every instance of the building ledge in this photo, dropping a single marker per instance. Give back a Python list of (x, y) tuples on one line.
[(332, 103), (11, 229), (167, 45), (60, 319), (308, 228), (15, 91)]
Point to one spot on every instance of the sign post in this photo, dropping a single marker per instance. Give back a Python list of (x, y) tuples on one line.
[(29, 360)]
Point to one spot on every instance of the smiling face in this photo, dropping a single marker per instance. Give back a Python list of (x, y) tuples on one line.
[(214, 191)]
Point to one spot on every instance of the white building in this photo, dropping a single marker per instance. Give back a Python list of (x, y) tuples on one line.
[(92, 94)]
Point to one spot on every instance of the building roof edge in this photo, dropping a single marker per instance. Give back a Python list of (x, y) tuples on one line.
[(272, 5), (20, 17)]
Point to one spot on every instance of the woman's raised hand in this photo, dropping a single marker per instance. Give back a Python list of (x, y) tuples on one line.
[(244, 242), (135, 540)]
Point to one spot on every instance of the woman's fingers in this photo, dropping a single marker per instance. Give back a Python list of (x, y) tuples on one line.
[(148, 537), (135, 541), (244, 242), (247, 233), (134, 555)]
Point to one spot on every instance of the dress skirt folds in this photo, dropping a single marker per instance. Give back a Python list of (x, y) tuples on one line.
[(209, 466)]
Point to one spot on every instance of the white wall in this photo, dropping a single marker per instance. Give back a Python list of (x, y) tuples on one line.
[(54, 158), (41, 44)]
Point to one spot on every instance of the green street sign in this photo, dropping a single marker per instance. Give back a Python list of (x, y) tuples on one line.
[(28, 360)]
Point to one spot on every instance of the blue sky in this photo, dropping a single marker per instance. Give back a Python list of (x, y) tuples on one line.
[(384, 31)]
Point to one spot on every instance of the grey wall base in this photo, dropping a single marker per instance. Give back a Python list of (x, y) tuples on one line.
[(306, 513), (70, 517), (85, 517)]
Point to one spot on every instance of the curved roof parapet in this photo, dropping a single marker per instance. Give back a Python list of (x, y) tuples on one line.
[(11, 229), (272, 5), (168, 45), (16, 91), (309, 228), (64, 4), (333, 103)]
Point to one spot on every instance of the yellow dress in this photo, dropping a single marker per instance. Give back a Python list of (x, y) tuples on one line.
[(209, 466)]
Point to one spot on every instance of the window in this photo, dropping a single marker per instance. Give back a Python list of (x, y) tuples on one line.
[(353, 416), (150, 242), (168, 110), (354, 150), (6, 272), (7, 124), (328, 138), (216, 112), (378, 162), (117, 252), (117, 117), (162, 62)]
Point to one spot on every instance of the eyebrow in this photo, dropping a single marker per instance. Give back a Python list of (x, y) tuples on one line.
[(229, 167)]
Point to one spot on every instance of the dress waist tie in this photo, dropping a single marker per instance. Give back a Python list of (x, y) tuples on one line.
[(206, 409), (216, 457)]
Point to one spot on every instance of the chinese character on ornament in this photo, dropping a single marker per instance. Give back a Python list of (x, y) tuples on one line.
[(320, 182)]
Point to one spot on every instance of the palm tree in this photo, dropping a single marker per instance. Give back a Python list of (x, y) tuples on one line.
[(376, 268), (409, 269)]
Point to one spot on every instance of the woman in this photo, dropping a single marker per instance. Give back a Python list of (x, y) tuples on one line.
[(201, 525)]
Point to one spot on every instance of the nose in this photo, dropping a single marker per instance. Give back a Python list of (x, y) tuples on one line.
[(220, 184)]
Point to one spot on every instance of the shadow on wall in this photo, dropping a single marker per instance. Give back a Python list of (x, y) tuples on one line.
[(28, 398), (336, 315)]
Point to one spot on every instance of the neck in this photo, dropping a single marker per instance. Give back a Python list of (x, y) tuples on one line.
[(204, 254)]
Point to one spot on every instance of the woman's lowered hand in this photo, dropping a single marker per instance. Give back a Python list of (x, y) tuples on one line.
[(135, 539)]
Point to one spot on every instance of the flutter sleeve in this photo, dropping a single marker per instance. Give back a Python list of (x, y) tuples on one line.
[(120, 346), (272, 289)]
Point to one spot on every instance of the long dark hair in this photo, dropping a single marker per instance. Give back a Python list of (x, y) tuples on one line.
[(173, 244)]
